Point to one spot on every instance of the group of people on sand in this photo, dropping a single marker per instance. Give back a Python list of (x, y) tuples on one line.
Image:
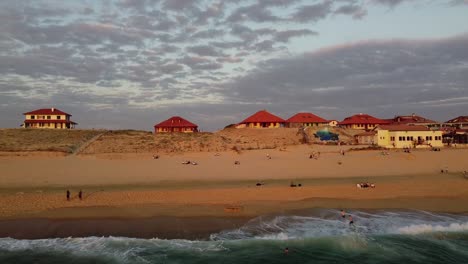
[(365, 185), (188, 162), (80, 195)]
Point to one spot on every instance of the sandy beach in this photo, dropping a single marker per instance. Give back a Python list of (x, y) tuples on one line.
[(136, 186)]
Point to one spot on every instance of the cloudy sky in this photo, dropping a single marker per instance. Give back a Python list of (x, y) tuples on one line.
[(133, 63)]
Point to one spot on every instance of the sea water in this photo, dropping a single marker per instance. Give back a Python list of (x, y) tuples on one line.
[(318, 236)]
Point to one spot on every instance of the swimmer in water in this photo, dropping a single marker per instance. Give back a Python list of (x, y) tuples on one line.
[(286, 251), (351, 222), (343, 214)]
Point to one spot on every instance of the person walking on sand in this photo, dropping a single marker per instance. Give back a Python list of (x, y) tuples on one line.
[(68, 195), (80, 195)]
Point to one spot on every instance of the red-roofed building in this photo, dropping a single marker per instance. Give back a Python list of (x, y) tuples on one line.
[(305, 119), (175, 124), (413, 120), (51, 118), (262, 119), (458, 122), (362, 121)]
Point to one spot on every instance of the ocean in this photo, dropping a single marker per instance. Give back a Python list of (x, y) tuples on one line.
[(314, 236)]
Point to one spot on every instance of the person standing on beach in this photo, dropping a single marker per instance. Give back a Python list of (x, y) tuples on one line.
[(80, 195), (68, 195)]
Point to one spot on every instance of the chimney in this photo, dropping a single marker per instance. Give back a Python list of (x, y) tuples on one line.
[(52, 109)]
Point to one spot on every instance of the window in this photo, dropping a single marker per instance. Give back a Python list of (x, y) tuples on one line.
[(392, 138), (58, 117), (438, 138), (32, 117), (401, 138), (48, 117)]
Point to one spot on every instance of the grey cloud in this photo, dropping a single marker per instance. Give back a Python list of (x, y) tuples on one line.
[(356, 11), (382, 77), (256, 13), (312, 12), (204, 50), (284, 36), (200, 63)]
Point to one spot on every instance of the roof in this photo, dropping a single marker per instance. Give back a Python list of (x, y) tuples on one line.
[(460, 119), (403, 128), (306, 118), (176, 121), (411, 119), (47, 111), (263, 117), (362, 119), (49, 121)]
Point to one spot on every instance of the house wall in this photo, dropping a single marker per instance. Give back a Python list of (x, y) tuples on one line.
[(46, 125), (264, 125), (47, 117), (174, 129), (405, 139), (366, 140), (306, 124)]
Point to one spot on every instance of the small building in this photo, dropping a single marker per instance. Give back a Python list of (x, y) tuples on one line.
[(366, 138), (362, 122), (262, 119), (305, 120), (405, 136), (413, 119), (48, 118), (175, 124), (333, 123), (458, 122)]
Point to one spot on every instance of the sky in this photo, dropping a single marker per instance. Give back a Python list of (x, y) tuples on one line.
[(129, 64)]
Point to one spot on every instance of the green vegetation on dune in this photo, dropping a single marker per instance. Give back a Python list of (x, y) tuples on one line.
[(66, 141)]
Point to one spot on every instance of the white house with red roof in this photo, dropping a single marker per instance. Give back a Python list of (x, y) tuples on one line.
[(50, 118), (305, 120), (175, 124), (262, 119), (362, 122)]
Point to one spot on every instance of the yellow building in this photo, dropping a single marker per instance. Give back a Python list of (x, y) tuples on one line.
[(404, 136), (48, 118)]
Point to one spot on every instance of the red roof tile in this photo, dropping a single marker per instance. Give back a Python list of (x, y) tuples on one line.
[(263, 117), (47, 111), (362, 119), (176, 121), (402, 128), (411, 119), (306, 118), (460, 119)]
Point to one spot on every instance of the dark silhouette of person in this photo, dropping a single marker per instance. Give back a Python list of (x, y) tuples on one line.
[(68, 195), (80, 195), (286, 251)]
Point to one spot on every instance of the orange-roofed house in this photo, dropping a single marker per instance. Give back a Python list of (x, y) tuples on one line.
[(406, 136), (175, 124), (262, 119), (50, 118), (458, 122), (413, 120), (305, 120), (362, 121)]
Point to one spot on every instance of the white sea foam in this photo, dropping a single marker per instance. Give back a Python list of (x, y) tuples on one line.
[(427, 228)]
